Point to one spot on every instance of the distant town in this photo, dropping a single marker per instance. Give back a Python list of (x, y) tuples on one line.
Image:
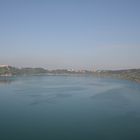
[(129, 74)]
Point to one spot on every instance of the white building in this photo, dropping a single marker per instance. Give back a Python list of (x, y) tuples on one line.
[(1, 66)]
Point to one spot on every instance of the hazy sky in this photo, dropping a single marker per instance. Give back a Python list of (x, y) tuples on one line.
[(95, 34)]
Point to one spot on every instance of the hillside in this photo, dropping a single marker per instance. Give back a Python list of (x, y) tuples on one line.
[(9, 71), (131, 74)]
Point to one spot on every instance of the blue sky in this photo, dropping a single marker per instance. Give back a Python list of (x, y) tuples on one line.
[(79, 34)]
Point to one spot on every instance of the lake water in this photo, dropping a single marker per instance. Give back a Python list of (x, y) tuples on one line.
[(69, 108)]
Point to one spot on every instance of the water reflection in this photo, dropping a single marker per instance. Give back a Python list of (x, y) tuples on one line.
[(6, 80)]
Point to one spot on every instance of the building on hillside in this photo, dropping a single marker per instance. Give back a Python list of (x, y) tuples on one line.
[(2, 66)]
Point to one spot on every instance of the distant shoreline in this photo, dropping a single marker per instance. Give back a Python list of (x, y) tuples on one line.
[(130, 74)]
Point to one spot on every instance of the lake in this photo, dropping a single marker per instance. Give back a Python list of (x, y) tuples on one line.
[(69, 107)]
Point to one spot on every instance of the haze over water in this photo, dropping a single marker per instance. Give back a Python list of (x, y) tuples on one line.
[(69, 108)]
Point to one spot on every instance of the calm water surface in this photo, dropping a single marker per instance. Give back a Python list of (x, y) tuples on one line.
[(69, 108)]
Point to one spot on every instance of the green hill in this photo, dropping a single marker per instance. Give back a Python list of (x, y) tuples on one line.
[(131, 74)]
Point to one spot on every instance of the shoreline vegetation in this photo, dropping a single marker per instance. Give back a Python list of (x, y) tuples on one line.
[(130, 74)]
